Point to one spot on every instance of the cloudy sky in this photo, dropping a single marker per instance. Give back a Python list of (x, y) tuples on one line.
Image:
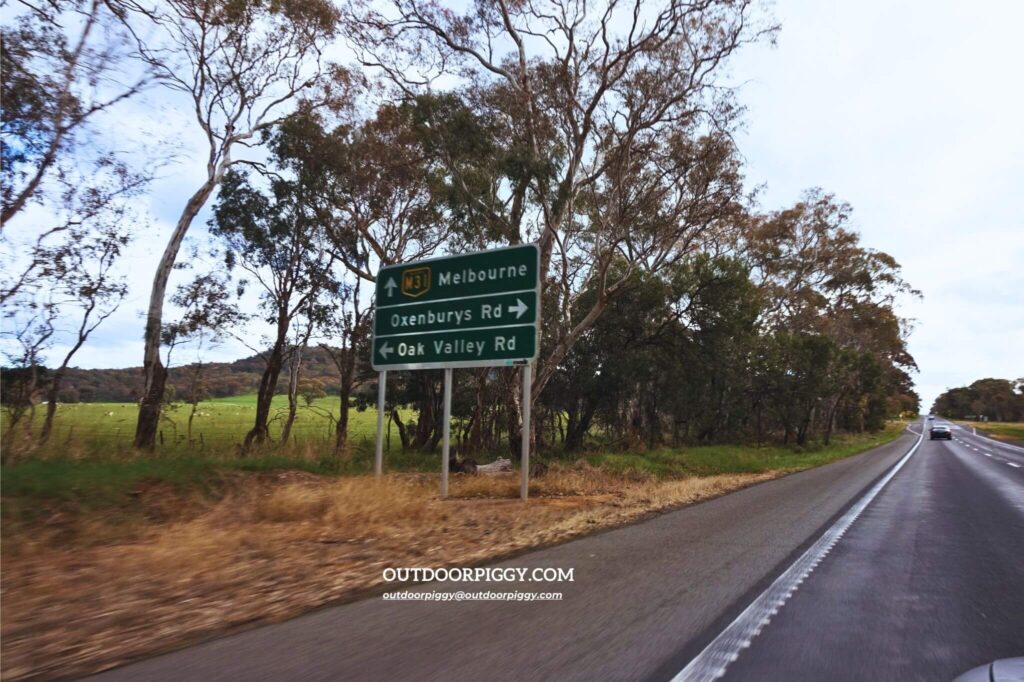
[(911, 111)]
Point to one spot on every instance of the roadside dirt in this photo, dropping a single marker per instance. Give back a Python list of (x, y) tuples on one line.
[(85, 591)]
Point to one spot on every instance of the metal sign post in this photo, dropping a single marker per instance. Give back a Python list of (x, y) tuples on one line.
[(473, 310), (378, 458), (446, 429), (524, 452)]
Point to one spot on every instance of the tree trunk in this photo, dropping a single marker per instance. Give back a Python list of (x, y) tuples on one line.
[(476, 438), (17, 409), (345, 396), (268, 384), (832, 417), (294, 368), (652, 419), (577, 429), (58, 375), (154, 371), (51, 405), (513, 411), (191, 416), (427, 421), (435, 438), (403, 433), (341, 434), (805, 427), (193, 399)]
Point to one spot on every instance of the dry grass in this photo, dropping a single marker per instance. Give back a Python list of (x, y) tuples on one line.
[(1008, 431), (82, 593)]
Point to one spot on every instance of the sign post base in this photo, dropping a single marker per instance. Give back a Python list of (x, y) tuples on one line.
[(524, 463)]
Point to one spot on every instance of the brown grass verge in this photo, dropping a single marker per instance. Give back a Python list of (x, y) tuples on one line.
[(82, 593)]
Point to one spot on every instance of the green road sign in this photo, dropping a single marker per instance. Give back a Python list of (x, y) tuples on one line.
[(493, 310), (474, 310), (487, 272), (469, 348)]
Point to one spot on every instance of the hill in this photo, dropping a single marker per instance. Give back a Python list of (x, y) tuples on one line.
[(221, 379)]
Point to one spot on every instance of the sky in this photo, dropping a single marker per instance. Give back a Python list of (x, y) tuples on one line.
[(913, 112), (910, 111)]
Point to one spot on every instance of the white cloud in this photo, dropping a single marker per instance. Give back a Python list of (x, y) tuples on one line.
[(911, 111)]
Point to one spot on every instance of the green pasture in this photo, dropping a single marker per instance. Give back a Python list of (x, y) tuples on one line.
[(218, 423), (101, 482), (108, 475)]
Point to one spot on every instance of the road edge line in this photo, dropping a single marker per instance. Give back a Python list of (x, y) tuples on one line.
[(711, 663), (996, 441)]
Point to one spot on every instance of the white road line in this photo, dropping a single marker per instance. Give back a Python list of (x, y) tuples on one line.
[(710, 664), (1015, 466), (999, 443), (986, 454)]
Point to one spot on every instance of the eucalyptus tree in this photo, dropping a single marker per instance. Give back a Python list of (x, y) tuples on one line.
[(809, 261), (70, 267), (818, 278), (277, 236), (63, 63), (302, 330), (348, 345), (208, 315), (384, 204), (25, 378), (84, 280), (64, 66), (618, 112), (240, 66), (378, 205), (996, 399)]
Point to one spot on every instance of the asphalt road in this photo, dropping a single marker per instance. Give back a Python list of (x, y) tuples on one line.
[(926, 583)]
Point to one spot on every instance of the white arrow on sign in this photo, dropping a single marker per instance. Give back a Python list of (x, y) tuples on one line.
[(385, 349), (519, 308), (390, 286)]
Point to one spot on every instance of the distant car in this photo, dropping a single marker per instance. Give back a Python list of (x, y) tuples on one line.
[(931, 417), (940, 431)]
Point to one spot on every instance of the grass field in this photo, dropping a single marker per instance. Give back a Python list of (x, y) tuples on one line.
[(98, 480), (218, 422), (1001, 430), (221, 423)]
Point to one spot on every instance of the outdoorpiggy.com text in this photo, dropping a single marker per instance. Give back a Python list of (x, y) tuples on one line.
[(480, 575)]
